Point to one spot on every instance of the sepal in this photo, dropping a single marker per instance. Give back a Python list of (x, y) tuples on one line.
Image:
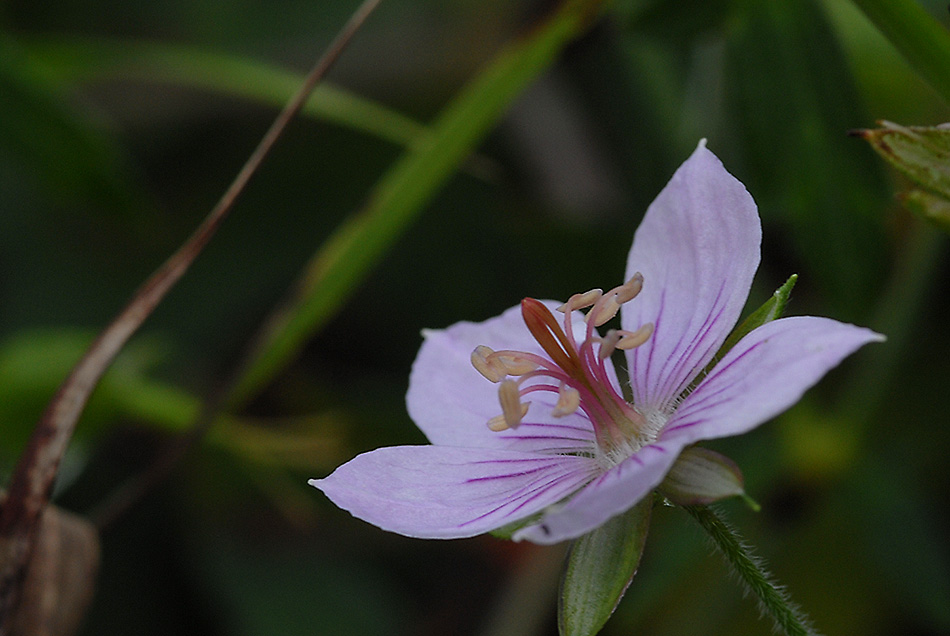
[(935, 209), (771, 309), (599, 568), (701, 477), (922, 153)]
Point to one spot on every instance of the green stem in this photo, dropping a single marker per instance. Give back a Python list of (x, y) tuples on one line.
[(772, 598), (917, 35)]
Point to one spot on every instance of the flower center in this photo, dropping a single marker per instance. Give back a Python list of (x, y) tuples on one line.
[(577, 373)]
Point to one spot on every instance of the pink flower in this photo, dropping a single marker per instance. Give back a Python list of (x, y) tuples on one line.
[(563, 451)]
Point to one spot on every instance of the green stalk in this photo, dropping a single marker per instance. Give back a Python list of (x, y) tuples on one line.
[(919, 38), (357, 245), (772, 598)]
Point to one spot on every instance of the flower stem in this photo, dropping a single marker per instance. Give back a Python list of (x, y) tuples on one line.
[(773, 599)]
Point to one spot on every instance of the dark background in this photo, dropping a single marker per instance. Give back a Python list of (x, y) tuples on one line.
[(102, 177)]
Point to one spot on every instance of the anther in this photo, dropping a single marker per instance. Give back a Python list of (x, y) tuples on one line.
[(633, 339), (631, 289), (488, 365), (581, 301), (509, 395), (498, 423), (568, 399), (513, 364), (605, 309)]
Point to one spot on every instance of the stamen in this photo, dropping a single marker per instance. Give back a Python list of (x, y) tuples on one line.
[(497, 424), (609, 343), (605, 309), (490, 367), (633, 339), (581, 301), (511, 407), (568, 400), (513, 364), (576, 371), (631, 289)]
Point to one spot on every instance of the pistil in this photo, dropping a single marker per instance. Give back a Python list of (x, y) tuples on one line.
[(576, 373)]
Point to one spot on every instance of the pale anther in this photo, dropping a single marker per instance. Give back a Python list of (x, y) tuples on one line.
[(509, 395), (581, 301), (568, 399), (498, 423), (488, 366), (629, 290), (633, 339), (513, 364), (605, 309)]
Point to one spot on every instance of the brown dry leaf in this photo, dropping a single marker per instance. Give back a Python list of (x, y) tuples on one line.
[(60, 576)]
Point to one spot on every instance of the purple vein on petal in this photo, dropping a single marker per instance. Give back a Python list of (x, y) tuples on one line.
[(681, 426), (531, 493), (635, 373), (568, 427), (705, 402), (546, 437), (667, 390), (521, 473), (547, 443), (517, 460)]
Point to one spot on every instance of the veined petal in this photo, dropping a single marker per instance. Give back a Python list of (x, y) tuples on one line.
[(764, 374), (451, 402), (612, 493), (438, 492), (698, 249)]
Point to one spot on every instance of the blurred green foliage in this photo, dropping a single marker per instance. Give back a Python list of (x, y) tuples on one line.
[(121, 124)]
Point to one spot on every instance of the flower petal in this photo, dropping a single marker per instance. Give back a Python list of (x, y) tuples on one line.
[(437, 492), (698, 249), (764, 374), (612, 493), (451, 402)]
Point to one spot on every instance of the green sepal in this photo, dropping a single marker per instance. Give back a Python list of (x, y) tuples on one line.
[(935, 209), (599, 568), (771, 309), (701, 476), (921, 153), (507, 531)]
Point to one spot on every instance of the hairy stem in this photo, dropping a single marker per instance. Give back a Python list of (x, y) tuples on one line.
[(772, 598)]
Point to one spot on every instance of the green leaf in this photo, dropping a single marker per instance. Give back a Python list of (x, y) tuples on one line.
[(403, 192), (600, 566), (921, 153), (78, 59)]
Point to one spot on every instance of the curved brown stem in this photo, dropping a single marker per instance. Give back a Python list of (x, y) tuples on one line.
[(36, 470)]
